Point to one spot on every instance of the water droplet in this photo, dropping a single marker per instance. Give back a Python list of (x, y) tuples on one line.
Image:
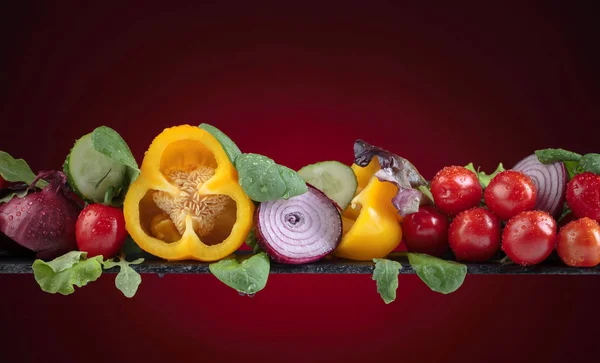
[(263, 188), (18, 214), (23, 209), (161, 275), (241, 293), (10, 218), (251, 295), (30, 203), (43, 213)]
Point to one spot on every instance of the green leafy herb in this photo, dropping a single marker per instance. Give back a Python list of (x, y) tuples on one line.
[(108, 142), (549, 156), (127, 280), (17, 170), (247, 277), (60, 274), (485, 179), (386, 275), (252, 243), (590, 162), (572, 168), (263, 180), (425, 190), (228, 145), (440, 275), (12, 194)]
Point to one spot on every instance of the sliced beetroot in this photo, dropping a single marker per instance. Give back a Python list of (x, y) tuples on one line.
[(302, 229)]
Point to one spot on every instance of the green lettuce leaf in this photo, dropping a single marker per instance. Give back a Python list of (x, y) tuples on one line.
[(263, 180), (251, 242), (485, 179), (248, 277), (440, 275), (127, 280), (386, 275), (228, 145), (62, 273)]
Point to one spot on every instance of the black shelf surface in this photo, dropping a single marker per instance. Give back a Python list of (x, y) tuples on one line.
[(326, 266)]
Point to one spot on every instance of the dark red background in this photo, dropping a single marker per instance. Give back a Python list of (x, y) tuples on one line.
[(439, 85)]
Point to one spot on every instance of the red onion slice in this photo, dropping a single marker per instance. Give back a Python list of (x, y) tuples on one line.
[(550, 181), (302, 229)]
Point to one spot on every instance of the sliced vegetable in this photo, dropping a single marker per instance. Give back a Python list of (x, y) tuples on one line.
[(550, 181), (333, 178), (100, 167), (371, 223), (440, 275), (187, 203), (64, 272), (42, 221), (248, 277), (386, 275), (299, 230), (396, 170)]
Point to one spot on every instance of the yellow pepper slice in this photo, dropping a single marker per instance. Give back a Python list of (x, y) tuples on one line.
[(371, 224), (187, 203)]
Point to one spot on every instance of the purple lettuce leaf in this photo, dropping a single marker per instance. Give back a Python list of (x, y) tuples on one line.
[(396, 170)]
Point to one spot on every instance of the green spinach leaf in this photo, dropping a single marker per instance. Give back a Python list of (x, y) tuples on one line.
[(386, 275), (248, 277), (440, 275)]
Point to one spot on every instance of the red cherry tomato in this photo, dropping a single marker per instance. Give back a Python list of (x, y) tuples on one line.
[(455, 189), (578, 243), (529, 237), (474, 235), (510, 193), (426, 231), (100, 230), (583, 195)]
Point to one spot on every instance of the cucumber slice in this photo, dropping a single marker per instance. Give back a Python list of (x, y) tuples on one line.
[(333, 178), (90, 173)]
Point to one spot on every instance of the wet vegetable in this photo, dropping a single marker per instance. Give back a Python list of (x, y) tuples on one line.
[(550, 181), (42, 221), (298, 230)]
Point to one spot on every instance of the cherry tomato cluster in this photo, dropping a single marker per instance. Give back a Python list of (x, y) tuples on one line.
[(476, 223)]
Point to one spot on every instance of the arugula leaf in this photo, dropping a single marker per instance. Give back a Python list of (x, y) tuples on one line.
[(248, 277), (386, 274), (252, 242), (440, 275), (549, 156), (17, 170), (127, 280), (60, 274), (263, 180), (228, 145), (590, 162), (483, 178), (108, 142)]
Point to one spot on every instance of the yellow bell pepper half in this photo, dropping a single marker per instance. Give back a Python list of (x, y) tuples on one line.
[(187, 203), (371, 223)]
